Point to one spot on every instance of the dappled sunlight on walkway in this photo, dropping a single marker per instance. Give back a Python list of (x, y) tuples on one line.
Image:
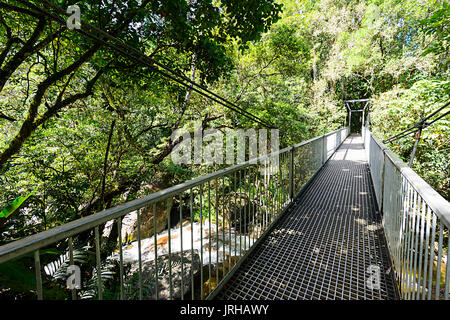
[(327, 244)]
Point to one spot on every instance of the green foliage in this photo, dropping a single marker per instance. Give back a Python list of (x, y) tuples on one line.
[(88, 153), (12, 207), (437, 25), (399, 109), (112, 143)]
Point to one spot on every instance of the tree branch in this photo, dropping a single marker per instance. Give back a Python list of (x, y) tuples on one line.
[(31, 123), (22, 54)]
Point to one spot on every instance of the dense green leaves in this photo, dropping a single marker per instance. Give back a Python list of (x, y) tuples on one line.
[(111, 142), (399, 109), (90, 127), (12, 207), (437, 25)]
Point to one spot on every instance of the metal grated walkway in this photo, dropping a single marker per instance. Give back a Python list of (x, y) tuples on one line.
[(325, 245)]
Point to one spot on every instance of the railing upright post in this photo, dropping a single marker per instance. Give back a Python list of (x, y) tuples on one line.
[(324, 149), (383, 170), (291, 174)]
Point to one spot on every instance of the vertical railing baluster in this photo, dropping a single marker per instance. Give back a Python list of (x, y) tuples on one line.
[(280, 185), (428, 218), (191, 200), (291, 174), (259, 212), (277, 189), (230, 258), (398, 210), (265, 198), (37, 267), (272, 193), (325, 150), (269, 192), (181, 246), (439, 261), (412, 251), (169, 226), (119, 226), (266, 194), (410, 240), (286, 185), (430, 272), (283, 198), (406, 238), (209, 236), (416, 237), (155, 237), (255, 205), (262, 195), (382, 183), (404, 235), (74, 292), (99, 270), (138, 213), (422, 230), (240, 213), (447, 274), (217, 210), (201, 241), (223, 226), (276, 195), (251, 221), (247, 213), (235, 217)]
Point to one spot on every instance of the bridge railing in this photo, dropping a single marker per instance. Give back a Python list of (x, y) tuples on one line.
[(210, 224), (416, 221)]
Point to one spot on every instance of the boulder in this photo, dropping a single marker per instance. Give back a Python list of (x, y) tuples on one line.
[(129, 222), (236, 210), (191, 263)]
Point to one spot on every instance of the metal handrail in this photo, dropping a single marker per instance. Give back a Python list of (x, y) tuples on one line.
[(23, 246), (270, 203), (435, 201), (415, 218)]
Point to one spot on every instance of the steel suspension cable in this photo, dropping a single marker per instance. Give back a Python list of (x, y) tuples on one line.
[(141, 58), (422, 124)]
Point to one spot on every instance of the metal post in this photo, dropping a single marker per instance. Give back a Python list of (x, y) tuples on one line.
[(37, 266), (291, 174), (350, 121), (363, 117), (324, 149), (362, 122), (383, 171)]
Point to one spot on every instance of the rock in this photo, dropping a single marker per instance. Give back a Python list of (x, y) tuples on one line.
[(147, 223), (129, 223), (217, 273), (191, 263), (238, 213)]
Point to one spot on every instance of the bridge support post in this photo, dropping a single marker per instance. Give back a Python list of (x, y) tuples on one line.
[(350, 121), (291, 174), (324, 149), (383, 170)]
